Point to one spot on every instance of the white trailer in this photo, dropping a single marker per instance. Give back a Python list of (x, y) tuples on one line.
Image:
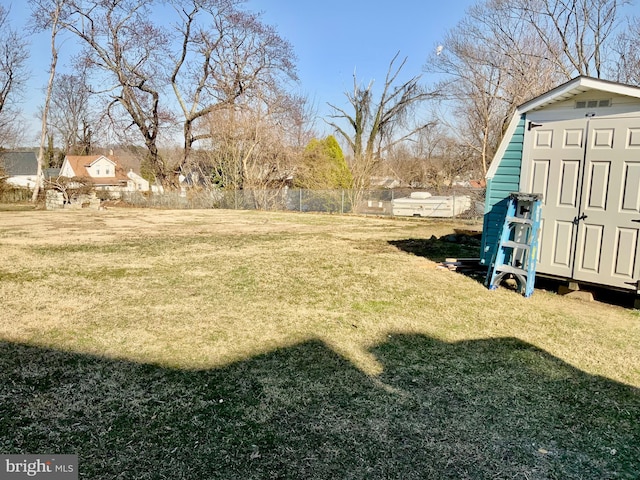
[(423, 204)]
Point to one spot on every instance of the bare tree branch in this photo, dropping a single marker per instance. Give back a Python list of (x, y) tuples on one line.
[(13, 75), (373, 123), (226, 56)]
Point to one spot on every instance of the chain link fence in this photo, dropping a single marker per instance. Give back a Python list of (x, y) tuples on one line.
[(458, 202)]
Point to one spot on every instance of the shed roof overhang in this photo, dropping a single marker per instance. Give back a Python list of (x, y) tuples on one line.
[(574, 87)]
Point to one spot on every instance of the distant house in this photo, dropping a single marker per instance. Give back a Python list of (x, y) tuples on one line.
[(51, 173), (136, 182), (104, 172), (21, 168)]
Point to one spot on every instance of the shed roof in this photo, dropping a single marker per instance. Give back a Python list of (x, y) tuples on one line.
[(19, 163), (575, 87)]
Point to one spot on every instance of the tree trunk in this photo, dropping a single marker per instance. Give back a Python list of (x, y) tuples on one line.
[(188, 143), (45, 110)]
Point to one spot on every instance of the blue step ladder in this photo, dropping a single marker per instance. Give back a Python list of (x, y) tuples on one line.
[(516, 253)]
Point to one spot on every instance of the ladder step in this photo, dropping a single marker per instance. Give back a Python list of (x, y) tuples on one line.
[(511, 269), (512, 244), (523, 221)]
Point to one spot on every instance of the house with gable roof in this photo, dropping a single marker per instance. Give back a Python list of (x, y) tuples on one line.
[(104, 172)]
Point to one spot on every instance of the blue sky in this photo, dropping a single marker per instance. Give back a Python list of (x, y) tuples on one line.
[(331, 38), (334, 38)]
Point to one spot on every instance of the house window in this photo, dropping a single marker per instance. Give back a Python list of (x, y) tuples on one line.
[(97, 171), (107, 171)]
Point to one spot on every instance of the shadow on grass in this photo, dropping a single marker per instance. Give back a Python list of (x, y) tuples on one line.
[(496, 408), (450, 246), (463, 246), (439, 249)]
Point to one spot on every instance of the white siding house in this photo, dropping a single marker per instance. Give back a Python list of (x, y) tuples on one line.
[(136, 183), (21, 168)]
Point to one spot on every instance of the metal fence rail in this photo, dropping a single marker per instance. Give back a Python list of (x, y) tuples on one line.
[(465, 203)]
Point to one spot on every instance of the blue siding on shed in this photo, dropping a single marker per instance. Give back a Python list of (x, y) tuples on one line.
[(505, 181)]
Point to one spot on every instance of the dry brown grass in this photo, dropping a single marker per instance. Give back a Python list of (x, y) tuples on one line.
[(222, 344), (201, 289)]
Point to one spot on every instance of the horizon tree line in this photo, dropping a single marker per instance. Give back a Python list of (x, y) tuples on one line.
[(225, 82)]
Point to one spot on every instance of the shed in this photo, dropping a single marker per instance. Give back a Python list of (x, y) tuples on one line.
[(579, 146)]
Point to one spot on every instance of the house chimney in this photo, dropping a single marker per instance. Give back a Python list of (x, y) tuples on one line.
[(110, 152)]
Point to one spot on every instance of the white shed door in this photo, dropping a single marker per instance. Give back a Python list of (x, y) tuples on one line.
[(607, 237), (588, 171)]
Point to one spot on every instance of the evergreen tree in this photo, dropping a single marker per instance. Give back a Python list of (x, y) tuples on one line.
[(323, 166)]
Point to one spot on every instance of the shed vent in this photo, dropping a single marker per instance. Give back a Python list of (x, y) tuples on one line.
[(593, 103)]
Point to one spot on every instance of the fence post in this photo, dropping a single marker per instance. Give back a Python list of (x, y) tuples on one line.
[(342, 201), (454, 205), (300, 200), (393, 197)]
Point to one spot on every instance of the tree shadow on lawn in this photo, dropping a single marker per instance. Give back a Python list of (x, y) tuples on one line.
[(496, 408)]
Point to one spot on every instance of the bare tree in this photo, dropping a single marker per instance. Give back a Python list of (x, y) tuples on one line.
[(227, 56), (505, 52), (576, 32), (70, 116), (249, 151), (13, 74), (426, 162), (478, 107), (130, 52), (433, 161), (403, 164), (487, 63), (627, 48), (375, 126), (47, 14), (254, 145)]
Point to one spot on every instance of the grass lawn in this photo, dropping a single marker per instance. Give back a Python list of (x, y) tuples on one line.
[(240, 345)]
